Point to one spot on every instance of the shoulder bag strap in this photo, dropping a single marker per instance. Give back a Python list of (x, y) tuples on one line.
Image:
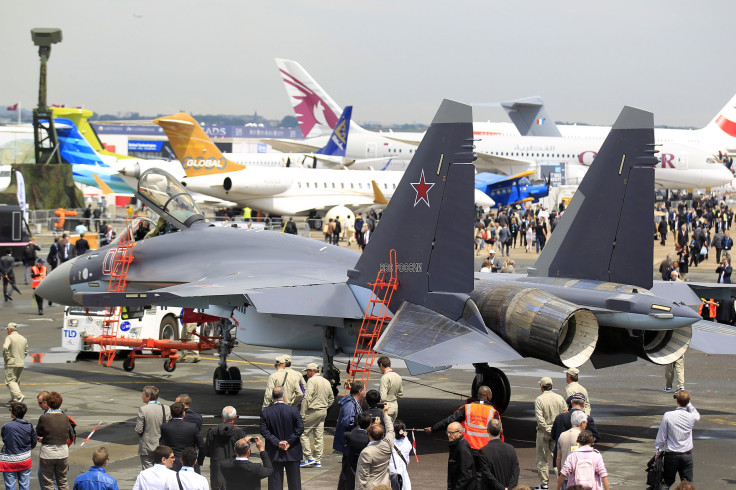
[(286, 375), (398, 451), (163, 413), (178, 480)]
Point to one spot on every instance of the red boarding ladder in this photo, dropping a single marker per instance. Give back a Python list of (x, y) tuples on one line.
[(376, 313), (118, 284)]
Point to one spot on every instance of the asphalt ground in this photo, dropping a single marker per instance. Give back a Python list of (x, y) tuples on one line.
[(627, 402)]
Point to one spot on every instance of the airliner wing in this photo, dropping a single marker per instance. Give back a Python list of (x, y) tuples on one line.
[(499, 164), (290, 146)]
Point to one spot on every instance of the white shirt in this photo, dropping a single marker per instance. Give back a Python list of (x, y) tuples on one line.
[(676, 430), (155, 478), (189, 480)]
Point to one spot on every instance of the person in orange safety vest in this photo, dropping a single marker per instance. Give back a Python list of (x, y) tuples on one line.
[(38, 274), (474, 418)]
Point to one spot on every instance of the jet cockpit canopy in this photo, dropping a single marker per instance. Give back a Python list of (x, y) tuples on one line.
[(161, 192)]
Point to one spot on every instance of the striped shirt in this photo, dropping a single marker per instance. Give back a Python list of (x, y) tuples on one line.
[(676, 430)]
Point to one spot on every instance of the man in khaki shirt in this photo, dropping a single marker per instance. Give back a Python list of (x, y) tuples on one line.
[(547, 406), (574, 387), (15, 350), (292, 389), (391, 389), (296, 375), (317, 400)]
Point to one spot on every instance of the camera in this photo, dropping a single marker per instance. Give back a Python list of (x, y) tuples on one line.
[(253, 440), (380, 405)]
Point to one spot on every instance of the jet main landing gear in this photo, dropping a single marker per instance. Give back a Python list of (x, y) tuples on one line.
[(226, 380)]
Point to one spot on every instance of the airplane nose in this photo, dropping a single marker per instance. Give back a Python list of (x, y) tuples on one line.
[(56, 288)]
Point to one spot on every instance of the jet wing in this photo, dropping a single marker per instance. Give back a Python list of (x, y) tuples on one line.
[(710, 290), (422, 336), (713, 338), (291, 146), (315, 292)]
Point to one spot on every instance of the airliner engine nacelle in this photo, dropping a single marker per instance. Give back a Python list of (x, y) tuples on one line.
[(256, 186), (538, 324)]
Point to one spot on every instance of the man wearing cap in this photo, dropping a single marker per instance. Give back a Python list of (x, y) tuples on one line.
[(292, 390), (391, 387), (38, 274), (495, 263), (15, 350), (317, 400), (297, 377), (547, 406), (563, 421), (574, 387)]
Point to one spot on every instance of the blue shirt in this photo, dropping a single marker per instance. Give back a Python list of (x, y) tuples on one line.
[(95, 479)]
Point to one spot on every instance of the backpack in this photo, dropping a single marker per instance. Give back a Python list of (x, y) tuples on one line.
[(71, 435), (584, 471)]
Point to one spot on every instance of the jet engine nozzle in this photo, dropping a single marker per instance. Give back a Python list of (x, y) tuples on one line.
[(538, 324)]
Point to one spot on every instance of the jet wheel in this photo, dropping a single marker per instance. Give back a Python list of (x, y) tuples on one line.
[(169, 366), (497, 381), (128, 364), (234, 374), (220, 373), (333, 376)]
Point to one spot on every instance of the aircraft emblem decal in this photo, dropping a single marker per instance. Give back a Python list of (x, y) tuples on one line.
[(422, 189), (309, 106)]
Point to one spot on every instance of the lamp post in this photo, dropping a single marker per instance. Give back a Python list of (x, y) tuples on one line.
[(44, 132)]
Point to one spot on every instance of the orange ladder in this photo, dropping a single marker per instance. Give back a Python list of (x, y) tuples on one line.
[(376, 314), (118, 284)]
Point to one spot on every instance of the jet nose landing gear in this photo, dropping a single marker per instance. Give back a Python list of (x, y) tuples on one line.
[(496, 380)]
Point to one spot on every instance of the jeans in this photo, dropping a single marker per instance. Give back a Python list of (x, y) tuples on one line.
[(22, 477), (674, 464)]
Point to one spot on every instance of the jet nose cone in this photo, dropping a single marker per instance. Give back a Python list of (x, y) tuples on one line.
[(56, 288)]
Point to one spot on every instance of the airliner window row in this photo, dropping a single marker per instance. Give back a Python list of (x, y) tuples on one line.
[(394, 150), (522, 154), (342, 185)]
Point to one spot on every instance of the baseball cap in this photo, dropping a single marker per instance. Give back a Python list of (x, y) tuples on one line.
[(287, 358), (572, 371), (492, 251), (312, 366), (545, 381), (12, 326), (280, 360)]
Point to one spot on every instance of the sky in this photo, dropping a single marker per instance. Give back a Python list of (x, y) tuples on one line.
[(394, 61)]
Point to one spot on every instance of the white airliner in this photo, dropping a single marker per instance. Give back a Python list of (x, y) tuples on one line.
[(278, 191), (687, 156)]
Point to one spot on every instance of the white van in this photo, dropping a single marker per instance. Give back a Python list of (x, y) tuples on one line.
[(137, 322)]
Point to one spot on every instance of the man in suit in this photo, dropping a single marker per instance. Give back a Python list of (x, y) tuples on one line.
[(179, 435), (724, 271), (190, 415), (82, 245), (282, 426), (66, 249), (355, 441), (372, 467), (148, 425), (243, 473), (499, 465)]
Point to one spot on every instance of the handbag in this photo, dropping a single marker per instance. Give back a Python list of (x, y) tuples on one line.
[(655, 469), (704, 250), (397, 481)]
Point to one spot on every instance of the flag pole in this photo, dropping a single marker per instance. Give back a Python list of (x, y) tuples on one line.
[(18, 113)]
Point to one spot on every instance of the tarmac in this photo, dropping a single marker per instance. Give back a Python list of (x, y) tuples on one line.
[(627, 401)]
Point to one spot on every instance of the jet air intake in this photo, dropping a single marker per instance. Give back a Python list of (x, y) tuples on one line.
[(538, 324)]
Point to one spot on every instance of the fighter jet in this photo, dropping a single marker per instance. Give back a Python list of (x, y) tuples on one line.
[(286, 291)]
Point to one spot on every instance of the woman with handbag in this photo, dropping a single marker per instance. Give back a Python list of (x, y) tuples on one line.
[(54, 431), (400, 457)]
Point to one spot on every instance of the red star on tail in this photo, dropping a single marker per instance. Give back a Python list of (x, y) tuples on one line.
[(422, 189)]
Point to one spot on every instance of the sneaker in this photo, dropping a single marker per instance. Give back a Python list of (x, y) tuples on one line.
[(679, 389), (317, 464), (668, 390), (307, 464), (541, 486)]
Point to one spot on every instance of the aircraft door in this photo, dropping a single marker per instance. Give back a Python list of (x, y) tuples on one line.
[(681, 160), (370, 150)]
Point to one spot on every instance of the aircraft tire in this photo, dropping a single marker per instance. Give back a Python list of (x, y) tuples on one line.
[(233, 373), (169, 329), (499, 384), (128, 364), (169, 367), (220, 373)]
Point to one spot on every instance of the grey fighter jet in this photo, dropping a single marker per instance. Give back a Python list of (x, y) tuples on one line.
[(287, 291)]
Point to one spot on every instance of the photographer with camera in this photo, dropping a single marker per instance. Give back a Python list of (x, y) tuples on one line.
[(241, 472), (724, 271)]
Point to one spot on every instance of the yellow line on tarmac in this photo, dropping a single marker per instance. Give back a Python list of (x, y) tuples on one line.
[(722, 421), (237, 361)]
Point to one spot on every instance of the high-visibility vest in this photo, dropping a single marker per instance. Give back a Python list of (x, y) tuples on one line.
[(40, 277), (475, 425)]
